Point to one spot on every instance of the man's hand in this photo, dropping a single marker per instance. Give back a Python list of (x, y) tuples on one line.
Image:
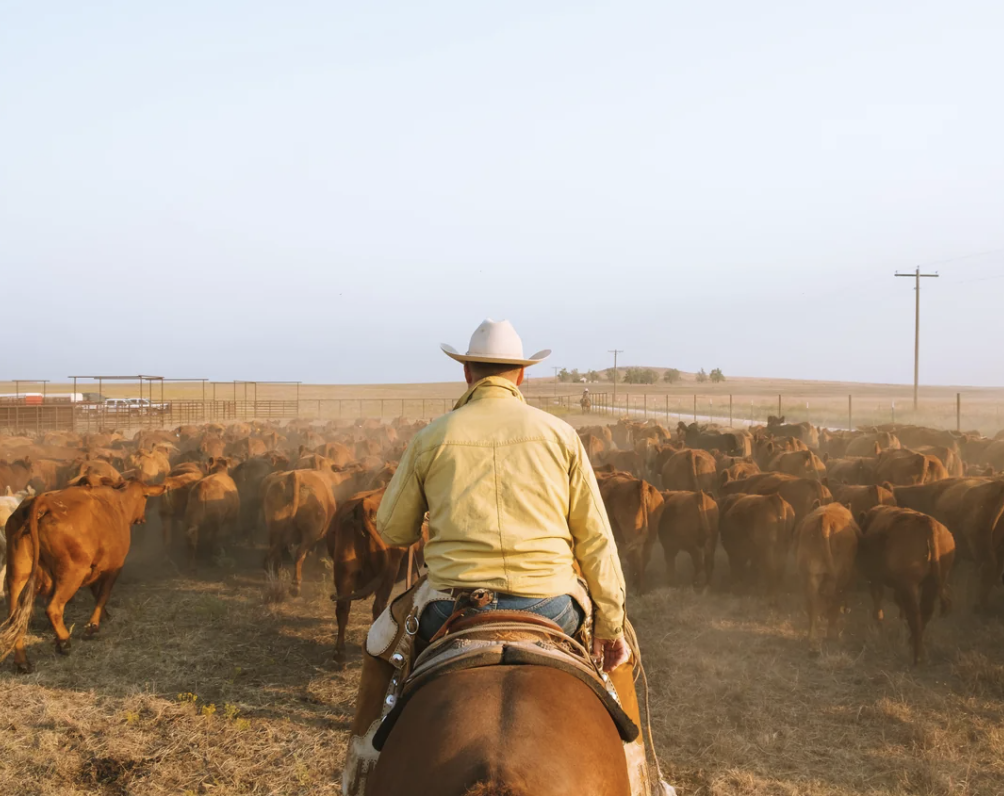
[(611, 653)]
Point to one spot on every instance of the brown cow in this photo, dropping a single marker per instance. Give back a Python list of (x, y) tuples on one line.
[(913, 554), (689, 524), (690, 470), (853, 470), (755, 532), (906, 468), (738, 472), (298, 508), (150, 467), (174, 502), (212, 512), (766, 449), (248, 476), (337, 453), (825, 545), (65, 540), (860, 499), (633, 507), (801, 493), (948, 457), (623, 461), (96, 467), (973, 510), (864, 445), (363, 563), (804, 464), (804, 432), (246, 448)]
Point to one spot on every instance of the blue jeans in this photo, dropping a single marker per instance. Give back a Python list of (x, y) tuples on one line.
[(562, 610)]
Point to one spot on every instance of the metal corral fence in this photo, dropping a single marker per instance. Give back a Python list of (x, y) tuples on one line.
[(834, 412)]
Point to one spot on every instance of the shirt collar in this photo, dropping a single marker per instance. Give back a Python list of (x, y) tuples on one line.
[(491, 387)]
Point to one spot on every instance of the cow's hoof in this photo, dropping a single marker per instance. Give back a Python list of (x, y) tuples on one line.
[(23, 667), (294, 591), (91, 631), (63, 647)]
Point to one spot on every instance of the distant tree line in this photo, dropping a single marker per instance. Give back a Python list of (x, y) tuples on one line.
[(637, 376)]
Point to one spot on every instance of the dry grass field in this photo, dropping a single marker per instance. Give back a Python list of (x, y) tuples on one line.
[(201, 685)]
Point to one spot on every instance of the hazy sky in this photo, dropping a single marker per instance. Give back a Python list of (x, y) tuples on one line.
[(326, 191)]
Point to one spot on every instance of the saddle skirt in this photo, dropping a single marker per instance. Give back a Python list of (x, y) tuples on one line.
[(506, 638)]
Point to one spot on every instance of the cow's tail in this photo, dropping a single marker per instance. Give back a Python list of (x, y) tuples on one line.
[(13, 630), (938, 569), (294, 509), (694, 485), (831, 566), (702, 517)]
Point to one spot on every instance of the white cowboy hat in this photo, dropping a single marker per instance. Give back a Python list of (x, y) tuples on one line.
[(496, 342)]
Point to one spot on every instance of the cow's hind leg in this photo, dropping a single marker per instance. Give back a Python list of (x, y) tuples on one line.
[(669, 552), (103, 590), (812, 585), (301, 556), (67, 583), (909, 602), (342, 608)]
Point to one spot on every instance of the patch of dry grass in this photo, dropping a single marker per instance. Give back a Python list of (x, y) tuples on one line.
[(739, 706), (203, 684)]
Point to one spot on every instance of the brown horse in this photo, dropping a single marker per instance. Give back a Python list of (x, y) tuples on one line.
[(503, 731)]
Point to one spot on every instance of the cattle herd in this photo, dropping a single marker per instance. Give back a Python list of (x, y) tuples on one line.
[(892, 503)]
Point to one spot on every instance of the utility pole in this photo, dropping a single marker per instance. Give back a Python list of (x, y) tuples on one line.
[(615, 352), (916, 334)]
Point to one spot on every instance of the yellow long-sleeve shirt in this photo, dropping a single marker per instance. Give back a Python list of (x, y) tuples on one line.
[(512, 504)]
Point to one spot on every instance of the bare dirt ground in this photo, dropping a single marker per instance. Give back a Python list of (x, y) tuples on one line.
[(199, 685)]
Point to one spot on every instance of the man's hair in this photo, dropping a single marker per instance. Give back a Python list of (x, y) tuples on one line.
[(482, 370)]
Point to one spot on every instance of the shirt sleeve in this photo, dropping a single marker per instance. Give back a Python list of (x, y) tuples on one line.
[(595, 549), (402, 510)]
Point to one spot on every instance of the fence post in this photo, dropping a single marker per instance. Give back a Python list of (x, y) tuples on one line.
[(318, 408), (850, 412), (381, 409), (958, 412), (730, 410), (645, 405), (667, 409), (695, 407), (894, 412), (778, 407)]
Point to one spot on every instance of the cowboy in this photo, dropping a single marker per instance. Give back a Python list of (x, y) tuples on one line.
[(584, 401), (513, 507)]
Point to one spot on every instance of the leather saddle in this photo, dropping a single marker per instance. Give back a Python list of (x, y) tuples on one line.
[(506, 638)]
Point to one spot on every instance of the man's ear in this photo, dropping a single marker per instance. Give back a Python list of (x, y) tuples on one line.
[(467, 373), (519, 378)]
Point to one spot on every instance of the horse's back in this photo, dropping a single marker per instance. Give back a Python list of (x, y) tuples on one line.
[(503, 731)]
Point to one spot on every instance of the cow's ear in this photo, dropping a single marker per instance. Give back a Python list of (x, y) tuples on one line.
[(815, 505), (153, 490), (826, 457), (861, 519)]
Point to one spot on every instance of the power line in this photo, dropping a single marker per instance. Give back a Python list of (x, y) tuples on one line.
[(917, 275), (958, 259)]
